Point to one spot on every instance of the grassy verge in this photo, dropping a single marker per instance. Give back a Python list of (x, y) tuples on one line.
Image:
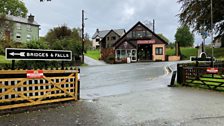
[(95, 54), (208, 83), (218, 53), (188, 51), (3, 60)]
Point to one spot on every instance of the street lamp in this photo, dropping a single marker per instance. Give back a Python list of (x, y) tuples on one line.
[(212, 33), (83, 37)]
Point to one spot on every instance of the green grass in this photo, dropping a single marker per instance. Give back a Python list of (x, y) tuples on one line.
[(3, 60), (218, 53), (188, 51), (95, 54)]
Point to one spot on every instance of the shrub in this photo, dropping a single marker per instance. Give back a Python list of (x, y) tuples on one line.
[(110, 59)]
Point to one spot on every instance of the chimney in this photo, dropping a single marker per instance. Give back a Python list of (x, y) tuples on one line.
[(153, 25), (31, 18), (97, 30)]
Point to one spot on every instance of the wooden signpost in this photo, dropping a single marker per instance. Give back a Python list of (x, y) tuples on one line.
[(37, 54)]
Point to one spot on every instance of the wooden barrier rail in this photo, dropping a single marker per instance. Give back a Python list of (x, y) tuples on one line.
[(198, 76), (16, 90)]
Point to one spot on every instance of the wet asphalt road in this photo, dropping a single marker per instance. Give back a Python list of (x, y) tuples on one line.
[(128, 94), (98, 81)]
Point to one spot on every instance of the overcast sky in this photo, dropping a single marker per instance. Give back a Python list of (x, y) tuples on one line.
[(106, 14)]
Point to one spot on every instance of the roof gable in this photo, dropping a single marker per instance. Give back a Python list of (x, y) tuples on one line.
[(117, 43), (102, 34), (111, 32)]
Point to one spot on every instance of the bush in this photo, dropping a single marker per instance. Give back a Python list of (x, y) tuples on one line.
[(110, 59), (5, 66)]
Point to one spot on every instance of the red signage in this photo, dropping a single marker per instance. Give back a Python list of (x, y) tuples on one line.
[(146, 42), (212, 70), (37, 74)]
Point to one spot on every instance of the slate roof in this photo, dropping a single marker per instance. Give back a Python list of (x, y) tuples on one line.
[(21, 20), (103, 33)]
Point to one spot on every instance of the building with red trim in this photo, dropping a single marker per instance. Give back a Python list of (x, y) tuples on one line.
[(139, 44)]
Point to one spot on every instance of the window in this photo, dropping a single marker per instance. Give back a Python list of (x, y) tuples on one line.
[(129, 35), (97, 40), (28, 37), (139, 34), (18, 35), (28, 27), (108, 38), (159, 51), (118, 54), (123, 53), (113, 38), (18, 26), (148, 34)]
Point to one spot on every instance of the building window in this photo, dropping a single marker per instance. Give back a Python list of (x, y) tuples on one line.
[(148, 34), (28, 37), (123, 53), (18, 35), (108, 38), (129, 35), (139, 34), (159, 51), (28, 27), (118, 54), (18, 26), (113, 38), (97, 40)]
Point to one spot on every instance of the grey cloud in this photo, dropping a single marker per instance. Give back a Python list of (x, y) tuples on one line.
[(106, 14)]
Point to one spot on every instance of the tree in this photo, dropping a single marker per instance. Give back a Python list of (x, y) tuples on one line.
[(163, 37), (63, 38), (58, 33), (197, 14), (13, 7), (183, 38)]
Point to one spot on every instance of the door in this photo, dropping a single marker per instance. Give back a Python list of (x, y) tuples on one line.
[(134, 55), (145, 52)]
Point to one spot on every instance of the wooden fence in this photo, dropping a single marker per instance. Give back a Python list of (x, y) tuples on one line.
[(198, 76), (16, 90)]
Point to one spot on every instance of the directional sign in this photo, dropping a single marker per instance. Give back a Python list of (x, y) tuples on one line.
[(37, 54)]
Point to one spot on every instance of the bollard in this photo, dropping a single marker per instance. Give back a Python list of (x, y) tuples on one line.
[(172, 82), (180, 73)]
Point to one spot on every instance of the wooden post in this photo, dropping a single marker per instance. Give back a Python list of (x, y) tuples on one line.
[(13, 64), (62, 65), (77, 84)]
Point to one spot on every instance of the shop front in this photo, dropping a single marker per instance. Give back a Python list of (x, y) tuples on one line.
[(145, 50), (140, 44)]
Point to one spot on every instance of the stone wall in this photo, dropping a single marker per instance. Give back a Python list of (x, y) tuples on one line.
[(173, 58)]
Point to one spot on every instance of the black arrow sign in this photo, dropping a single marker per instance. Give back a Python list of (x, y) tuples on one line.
[(37, 54)]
